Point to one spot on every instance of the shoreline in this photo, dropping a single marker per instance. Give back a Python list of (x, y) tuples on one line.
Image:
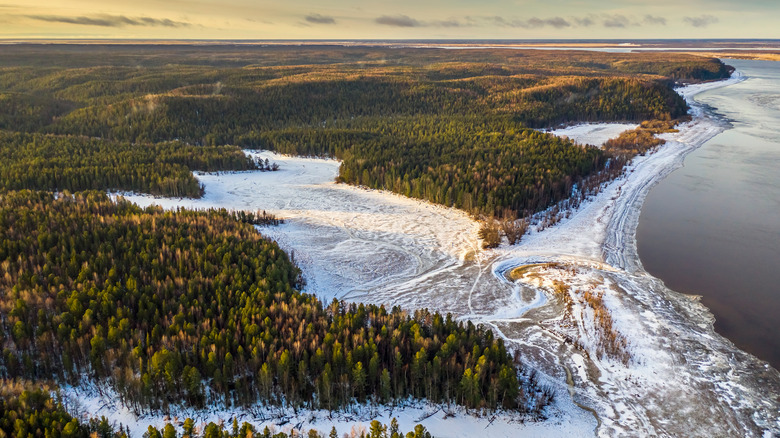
[(707, 230), (620, 247), (596, 247)]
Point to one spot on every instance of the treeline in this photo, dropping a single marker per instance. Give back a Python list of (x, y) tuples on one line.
[(472, 165), (197, 308), (642, 139), (246, 430), (238, 115), (595, 100), (699, 69), (74, 163), (29, 411), (493, 167), (469, 163), (257, 217)]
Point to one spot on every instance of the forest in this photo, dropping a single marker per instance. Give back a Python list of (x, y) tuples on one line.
[(376, 430), (452, 127), (51, 162), (31, 411), (196, 308), (199, 308)]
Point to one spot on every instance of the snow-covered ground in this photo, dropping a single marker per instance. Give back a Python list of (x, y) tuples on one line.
[(595, 134), (683, 379), (88, 400), (350, 242)]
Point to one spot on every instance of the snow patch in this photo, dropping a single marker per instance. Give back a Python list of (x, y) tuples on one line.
[(595, 134)]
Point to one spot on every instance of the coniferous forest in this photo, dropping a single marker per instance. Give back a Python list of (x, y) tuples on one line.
[(195, 308), (53, 162), (451, 127)]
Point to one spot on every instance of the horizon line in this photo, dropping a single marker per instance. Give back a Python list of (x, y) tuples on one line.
[(37, 39)]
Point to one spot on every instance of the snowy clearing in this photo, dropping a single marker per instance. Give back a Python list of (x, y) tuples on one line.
[(682, 378), (595, 134), (349, 241)]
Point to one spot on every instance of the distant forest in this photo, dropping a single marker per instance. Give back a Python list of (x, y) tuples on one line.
[(448, 126)]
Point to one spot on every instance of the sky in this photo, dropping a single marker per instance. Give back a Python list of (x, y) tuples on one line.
[(398, 19)]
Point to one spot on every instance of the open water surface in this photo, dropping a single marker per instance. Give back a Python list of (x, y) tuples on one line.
[(712, 228)]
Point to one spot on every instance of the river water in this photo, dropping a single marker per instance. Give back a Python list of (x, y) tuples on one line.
[(712, 228)]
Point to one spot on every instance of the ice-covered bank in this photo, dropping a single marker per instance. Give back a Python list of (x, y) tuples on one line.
[(680, 377), (625, 355)]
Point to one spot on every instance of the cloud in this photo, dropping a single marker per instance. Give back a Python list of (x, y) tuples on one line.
[(584, 21), (556, 22), (320, 19), (609, 21), (616, 21), (701, 21), (406, 21), (531, 23), (450, 23), (105, 20), (398, 21), (651, 19)]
